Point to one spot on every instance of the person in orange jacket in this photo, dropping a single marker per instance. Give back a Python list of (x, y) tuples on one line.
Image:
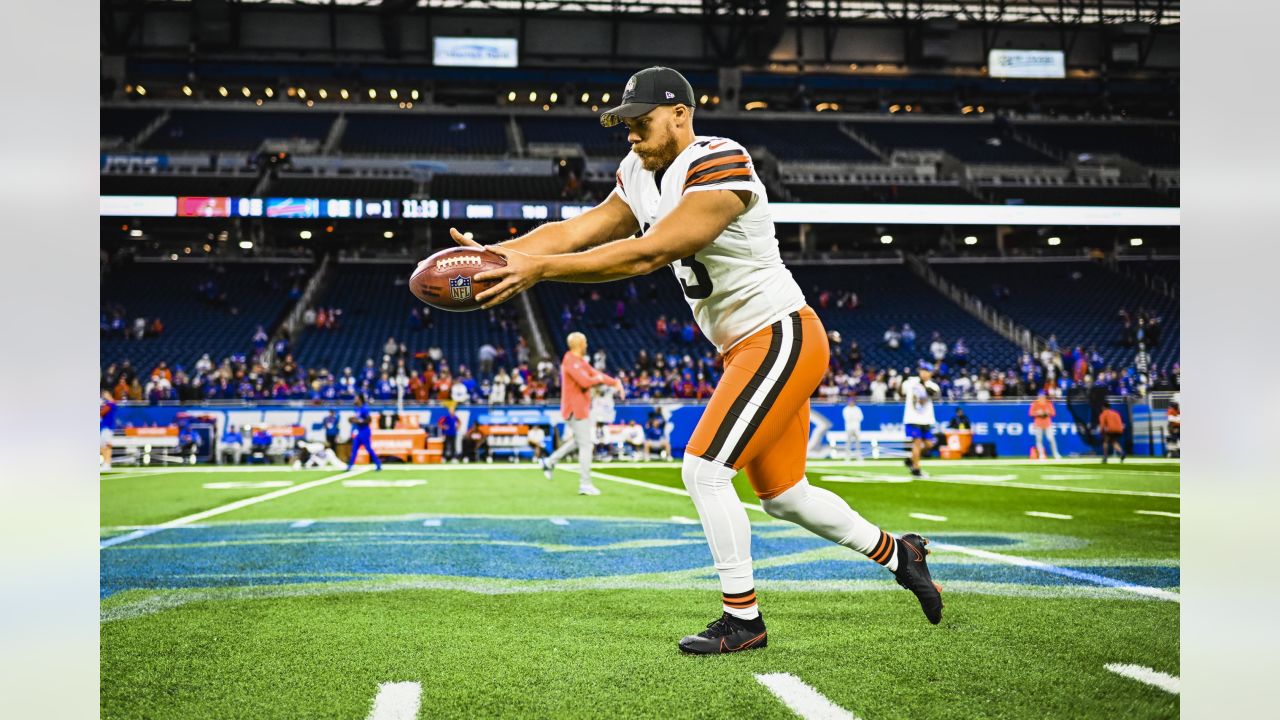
[(1112, 428), (1042, 428)]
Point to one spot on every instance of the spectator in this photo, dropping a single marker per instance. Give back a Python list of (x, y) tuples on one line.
[(908, 337), (447, 426), (960, 353), (892, 338), (960, 421), (537, 439), (458, 391), (232, 445), (498, 391), (938, 348), (1111, 425), (486, 355), (852, 415), (1042, 412)]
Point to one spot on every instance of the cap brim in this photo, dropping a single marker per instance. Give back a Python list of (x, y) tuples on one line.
[(613, 116)]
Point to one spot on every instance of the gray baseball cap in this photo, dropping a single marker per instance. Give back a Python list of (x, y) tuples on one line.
[(648, 89)]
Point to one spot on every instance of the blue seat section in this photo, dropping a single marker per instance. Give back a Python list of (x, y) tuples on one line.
[(599, 142), (1155, 145), (969, 142), (425, 134), (340, 187), (236, 130), (125, 123), (497, 187), (376, 304), (657, 294), (184, 185), (1052, 195), (1079, 302), (862, 193), (256, 294), (790, 140), (891, 295)]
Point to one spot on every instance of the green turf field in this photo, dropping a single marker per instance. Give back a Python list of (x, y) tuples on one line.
[(488, 591)]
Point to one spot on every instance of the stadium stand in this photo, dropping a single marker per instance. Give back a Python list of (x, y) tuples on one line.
[(236, 130), (891, 295), (497, 187), (376, 304), (1134, 195), (174, 184), (124, 124), (587, 132), (973, 142), (340, 186), (1154, 145), (419, 134), (1079, 302), (791, 140), (256, 294), (860, 193)]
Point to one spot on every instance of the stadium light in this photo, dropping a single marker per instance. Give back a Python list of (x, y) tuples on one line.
[(971, 240), (186, 250), (1135, 242), (222, 91), (269, 92), (173, 256), (756, 105), (533, 96), (595, 108), (715, 99), (302, 93), (966, 109), (292, 92), (1055, 241), (894, 108), (703, 100), (511, 96), (258, 102), (207, 247), (827, 106), (128, 89), (408, 106), (886, 239), (245, 91), (413, 95), (311, 103), (373, 94), (586, 98), (388, 234), (135, 233), (395, 94), (246, 244), (981, 109), (324, 94), (853, 66), (604, 97), (344, 94), (305, 234), (186, 90), (141, 90), (545, 107), (554, 97)]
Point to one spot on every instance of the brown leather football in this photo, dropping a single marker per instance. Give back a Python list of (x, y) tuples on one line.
[(445, 280)]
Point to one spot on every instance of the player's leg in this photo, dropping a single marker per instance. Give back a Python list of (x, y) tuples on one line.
[(1052, 434), (857, 444), (1038, 433), (104, 448), (583, 430)]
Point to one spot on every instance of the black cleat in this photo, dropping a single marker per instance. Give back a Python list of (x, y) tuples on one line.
[(907, 462), (913, 574), (727, 634)]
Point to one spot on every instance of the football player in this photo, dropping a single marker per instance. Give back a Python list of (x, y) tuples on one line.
[(695, 203), (917, 414)]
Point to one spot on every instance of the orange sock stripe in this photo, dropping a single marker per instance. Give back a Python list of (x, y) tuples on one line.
[(886, 551), (745, 602), (879, 548)]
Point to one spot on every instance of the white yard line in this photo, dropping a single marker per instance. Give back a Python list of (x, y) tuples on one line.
[(559, 521), (1161, 513), (302, 523), (246, 502), (802, 699), (1155, 678), (1010, 559), (432, 522), (927, 516), (1054, 488), (1051, 516), (684, 520), (1065, 572), (396, 701)]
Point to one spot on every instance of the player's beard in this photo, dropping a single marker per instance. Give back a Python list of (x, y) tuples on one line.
[(662, 156)]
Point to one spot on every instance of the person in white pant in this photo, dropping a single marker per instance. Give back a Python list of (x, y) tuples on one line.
[(317, 454), (577, 377), (852, 428)]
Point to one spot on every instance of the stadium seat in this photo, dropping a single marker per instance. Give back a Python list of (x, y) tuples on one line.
[(418, 134), (975, 142), (1155, 145), (236, 129)]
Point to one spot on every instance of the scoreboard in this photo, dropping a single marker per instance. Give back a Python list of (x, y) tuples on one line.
[(334, 208)]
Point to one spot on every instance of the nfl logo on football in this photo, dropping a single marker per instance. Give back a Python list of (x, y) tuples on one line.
[(460, 287)]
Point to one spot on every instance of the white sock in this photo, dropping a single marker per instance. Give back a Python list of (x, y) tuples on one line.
[(827, 515), (728, 532)]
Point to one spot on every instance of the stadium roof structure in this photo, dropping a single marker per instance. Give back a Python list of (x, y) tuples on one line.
[(1060, 12)]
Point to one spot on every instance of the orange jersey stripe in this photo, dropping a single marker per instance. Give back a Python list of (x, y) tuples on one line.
[(713, 163)]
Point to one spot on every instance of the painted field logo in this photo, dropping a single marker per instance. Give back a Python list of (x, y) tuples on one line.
[(460, 287)]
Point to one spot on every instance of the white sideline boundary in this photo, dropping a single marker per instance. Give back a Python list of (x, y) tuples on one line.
[(802, 699), (1156, 593), (1155, 678), (396, 701), (246, 502)]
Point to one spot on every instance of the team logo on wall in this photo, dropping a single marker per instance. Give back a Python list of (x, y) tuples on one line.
[(460, 287)]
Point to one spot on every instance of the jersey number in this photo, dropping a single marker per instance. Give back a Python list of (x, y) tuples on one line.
[(701, 289)]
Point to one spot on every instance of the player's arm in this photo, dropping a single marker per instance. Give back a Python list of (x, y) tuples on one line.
[(610, 220), (694, 224)]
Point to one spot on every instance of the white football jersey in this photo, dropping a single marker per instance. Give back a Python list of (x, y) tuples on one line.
[(918, 408), (737, 285)]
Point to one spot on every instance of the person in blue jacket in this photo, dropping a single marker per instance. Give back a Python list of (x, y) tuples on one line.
[(361, 435)]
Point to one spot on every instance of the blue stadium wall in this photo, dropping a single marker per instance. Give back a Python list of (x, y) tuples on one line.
[(1003, 425)]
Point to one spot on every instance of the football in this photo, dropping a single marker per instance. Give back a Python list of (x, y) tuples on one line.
[(446, 279)]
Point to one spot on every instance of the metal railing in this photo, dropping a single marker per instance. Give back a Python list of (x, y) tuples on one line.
[(1019, 335)]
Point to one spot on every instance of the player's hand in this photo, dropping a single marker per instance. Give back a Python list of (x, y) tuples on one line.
[(463, 240), (521, 272)]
